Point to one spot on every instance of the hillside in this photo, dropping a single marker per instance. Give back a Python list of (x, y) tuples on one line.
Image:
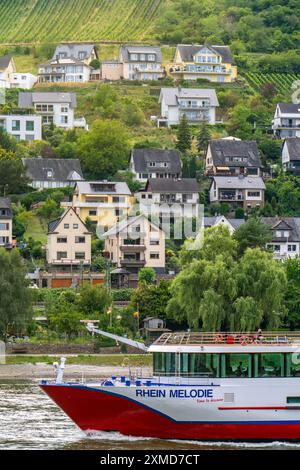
[(80, 20)]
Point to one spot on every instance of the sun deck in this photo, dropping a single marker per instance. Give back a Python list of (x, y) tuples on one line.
[(273, 338)]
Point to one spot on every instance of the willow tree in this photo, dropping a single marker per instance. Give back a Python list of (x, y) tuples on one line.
[(262, 280), (216, 290), (15, 298)]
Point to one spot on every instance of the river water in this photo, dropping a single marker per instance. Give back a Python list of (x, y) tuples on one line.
[(29, 420)]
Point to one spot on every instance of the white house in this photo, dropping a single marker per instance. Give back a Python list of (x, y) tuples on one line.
[(7, 69), (238, 191), (198, 104), (215, 221), (155, 163), (22, 126), (285, 231), (55, 108), (5, 223), (52, 172), (141, 62), (26, 81), (135, 242), (291, 155), (286, 122), (169, 198), (233, 157), (70, 63)]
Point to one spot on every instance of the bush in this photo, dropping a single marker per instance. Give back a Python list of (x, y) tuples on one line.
[(122, 294)]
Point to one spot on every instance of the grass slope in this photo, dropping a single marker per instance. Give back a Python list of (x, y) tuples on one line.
[(24, 21), (37, 230)]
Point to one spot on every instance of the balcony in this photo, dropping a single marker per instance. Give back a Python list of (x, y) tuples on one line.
[(158, 69), (69, 262), (132, 248), (193, 106), (102, 205), (230, 196), (134, 263), (177, 69), (286, 125)]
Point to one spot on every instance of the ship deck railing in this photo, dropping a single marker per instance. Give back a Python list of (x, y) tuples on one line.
[(228, 338)]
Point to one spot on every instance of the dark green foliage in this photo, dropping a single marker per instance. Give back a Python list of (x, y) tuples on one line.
[(216, 290), (151, 300), (255, 26), (292, 296), (12, 174), (203, 137), (104, 150), (184, 138), (15, 299), (147, 275), (253, 234)]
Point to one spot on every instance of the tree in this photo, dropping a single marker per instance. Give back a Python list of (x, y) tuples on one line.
[(15, 299), (65, 320), (95, 64), (6, 141), (151, 300), (292, 295), (217, 241), (253, 234), (261, 278), (13, 178), (49, 210), (132, 115), (184, 139), (94, 300), (147, 275), (215, 290), (104, 150), (203, 137)]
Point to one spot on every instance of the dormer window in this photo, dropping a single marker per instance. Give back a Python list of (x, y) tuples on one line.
[(134, 56), (49, 173), (151, 57), (62, 55), (81, 55), (282, 233)]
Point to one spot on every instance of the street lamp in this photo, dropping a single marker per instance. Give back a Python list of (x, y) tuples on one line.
[(109, 312)]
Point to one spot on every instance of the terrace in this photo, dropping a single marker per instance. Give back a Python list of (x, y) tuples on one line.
[(228, 338)]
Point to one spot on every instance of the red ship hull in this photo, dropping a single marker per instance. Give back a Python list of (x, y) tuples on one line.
[(101, 411)]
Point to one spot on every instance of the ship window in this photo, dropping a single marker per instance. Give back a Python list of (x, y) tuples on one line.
[(236, 365), (199, 365), (269, 365), (293, 399), (293, 364), (159, 363), (189, 365)]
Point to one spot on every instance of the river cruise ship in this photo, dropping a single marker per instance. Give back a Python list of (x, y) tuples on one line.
[(205, 386)]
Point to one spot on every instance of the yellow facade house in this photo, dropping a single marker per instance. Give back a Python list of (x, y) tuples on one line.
[(135, 243), (68, 242), (103, 202), (213, 63)]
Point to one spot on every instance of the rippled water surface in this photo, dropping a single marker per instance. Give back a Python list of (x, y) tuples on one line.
[(29, 420)]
